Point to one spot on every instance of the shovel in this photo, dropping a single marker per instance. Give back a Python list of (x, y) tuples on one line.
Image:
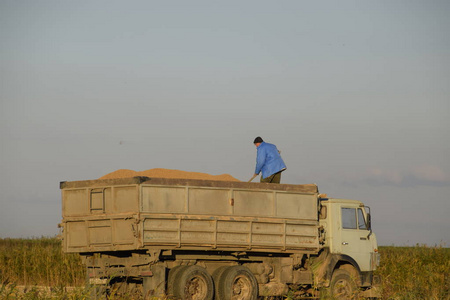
[(253, 177)]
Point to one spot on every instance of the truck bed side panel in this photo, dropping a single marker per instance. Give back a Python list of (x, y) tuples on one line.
[(109, 215)]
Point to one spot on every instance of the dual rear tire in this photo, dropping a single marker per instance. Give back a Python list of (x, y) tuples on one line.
[(194, 283), (190, 283), (237, 283)]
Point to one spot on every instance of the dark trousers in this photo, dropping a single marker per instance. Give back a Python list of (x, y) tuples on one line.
[(274, 178)]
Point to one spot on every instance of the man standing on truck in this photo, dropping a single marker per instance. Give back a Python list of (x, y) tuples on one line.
[(268, 161)]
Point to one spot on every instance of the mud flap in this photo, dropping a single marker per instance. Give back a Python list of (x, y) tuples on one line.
[(373, 292), (154, 286)]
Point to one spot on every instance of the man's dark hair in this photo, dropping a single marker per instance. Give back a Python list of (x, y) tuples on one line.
[(258, 140)]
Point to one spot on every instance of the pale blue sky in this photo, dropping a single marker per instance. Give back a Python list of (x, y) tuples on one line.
[(356, 95)]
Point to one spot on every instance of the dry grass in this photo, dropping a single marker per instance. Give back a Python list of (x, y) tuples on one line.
[(13, 292), (39, 262), (407, 273), (419, 272)]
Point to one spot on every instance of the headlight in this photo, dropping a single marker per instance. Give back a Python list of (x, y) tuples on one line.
[(375, 260)]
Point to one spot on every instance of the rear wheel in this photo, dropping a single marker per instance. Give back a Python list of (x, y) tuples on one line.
[(193, 283), (217, 274), (343, 286), (237, 283), (173, 273)]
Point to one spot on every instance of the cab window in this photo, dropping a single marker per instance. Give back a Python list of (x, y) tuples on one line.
[(348, 218), (361, 221)]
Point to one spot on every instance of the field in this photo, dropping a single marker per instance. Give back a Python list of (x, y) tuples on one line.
[(419, 272), (28, 265)]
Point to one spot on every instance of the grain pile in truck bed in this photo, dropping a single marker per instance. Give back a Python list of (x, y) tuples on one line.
[(167, 173)]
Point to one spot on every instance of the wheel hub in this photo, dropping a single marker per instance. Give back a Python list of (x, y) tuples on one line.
[(241, 288), (196, 289)]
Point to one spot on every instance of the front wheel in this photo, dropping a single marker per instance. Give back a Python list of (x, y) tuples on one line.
[(343, 286)]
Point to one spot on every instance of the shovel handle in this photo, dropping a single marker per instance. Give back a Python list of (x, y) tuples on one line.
[(253, 177)]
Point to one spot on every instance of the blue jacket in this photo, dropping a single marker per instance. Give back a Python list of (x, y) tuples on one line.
[(268, 160)]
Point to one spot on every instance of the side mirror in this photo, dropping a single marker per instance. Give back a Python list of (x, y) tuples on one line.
[(369, 221), (323, 212)]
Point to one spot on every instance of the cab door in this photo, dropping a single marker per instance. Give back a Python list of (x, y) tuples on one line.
[(355, 239)]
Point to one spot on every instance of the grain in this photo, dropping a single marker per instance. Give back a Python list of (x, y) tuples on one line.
[(167, 173)]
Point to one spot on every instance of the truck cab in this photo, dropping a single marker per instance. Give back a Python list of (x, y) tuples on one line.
[(349, 239)]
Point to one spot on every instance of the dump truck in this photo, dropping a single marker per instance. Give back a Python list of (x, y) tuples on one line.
[(203, 239)]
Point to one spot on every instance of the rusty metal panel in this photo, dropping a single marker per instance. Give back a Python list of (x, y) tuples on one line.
[(253, 203), (194, 231), (196, 237), (94, 217), (233, 225), (297, 188), (213, 232), (233, 231), (209, 201), (97, 203), (297, 234), (100, 232), (301, 229), (161, 230), (109, 215), (124, 231), (161, 223), (229, 238), (298, 206), (197, 225), (76, 234), (267, 228), (102, 182), (159, 199), (268, 233), (75, 202), (125, 199), (161, 237), (293, 242), (267, 239)]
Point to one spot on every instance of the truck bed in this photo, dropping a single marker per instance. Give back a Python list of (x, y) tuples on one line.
[(142, 213)]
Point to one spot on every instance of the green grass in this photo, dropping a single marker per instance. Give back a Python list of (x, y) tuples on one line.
[(407, 273)]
